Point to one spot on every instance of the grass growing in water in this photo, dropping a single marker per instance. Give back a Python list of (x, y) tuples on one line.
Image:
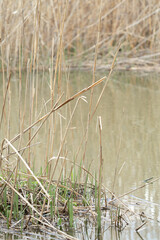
[(40, 200), (36, 200)]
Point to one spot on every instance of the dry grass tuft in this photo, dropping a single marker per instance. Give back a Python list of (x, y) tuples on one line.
[(38, 30)]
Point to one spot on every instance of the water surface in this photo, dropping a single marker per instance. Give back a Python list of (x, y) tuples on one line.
[(130, 113)]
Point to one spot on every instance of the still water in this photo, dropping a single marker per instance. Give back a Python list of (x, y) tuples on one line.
[(130, 115)]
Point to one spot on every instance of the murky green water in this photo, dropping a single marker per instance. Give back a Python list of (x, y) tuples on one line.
[(130, 113)]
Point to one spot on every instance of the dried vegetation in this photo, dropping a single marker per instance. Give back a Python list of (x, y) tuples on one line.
[(38, 36)]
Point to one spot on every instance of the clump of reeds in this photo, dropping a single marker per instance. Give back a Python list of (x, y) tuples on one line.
[(38, 29), (42, 202), (53, 204)]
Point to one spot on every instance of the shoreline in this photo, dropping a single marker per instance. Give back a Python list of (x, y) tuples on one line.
[(155, 68)]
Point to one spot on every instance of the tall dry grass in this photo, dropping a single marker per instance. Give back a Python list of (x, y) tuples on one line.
[(37, 29), (52, 35)]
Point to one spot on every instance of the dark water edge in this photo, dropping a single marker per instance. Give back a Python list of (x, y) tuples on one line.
[(149, 231)]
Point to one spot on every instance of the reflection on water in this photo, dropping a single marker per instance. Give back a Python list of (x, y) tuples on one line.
[(88, 232), (30, 236), (130, 112)]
